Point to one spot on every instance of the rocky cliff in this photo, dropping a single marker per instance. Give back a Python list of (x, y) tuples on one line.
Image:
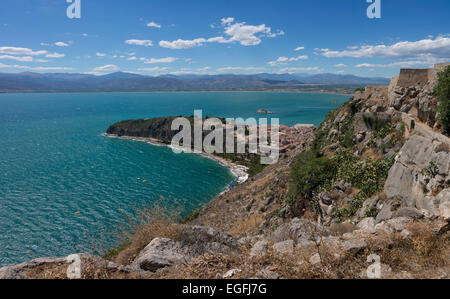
[(372, 185)]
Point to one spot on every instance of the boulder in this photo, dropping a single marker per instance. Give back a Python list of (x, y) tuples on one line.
[(20, 271), (298, 229), (315, 259), (284, 247), (385, 213), (259, 248), (367, 225), (161, 253), (354, 245), (197, 240), (399, 224), (77, 266), (370, 203), (231, 273), (409, 213), (421, 174)]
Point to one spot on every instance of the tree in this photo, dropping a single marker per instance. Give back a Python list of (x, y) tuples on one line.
[(442, 92)]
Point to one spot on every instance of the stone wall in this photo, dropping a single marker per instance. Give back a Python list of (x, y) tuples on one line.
[(413, 77), (417, 77)]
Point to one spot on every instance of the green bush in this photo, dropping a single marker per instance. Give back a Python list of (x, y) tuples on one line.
[(442, 92), (308, 174)]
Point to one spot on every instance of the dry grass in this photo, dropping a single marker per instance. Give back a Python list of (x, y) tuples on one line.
[(246, 224), (151, 223), (398, 253)]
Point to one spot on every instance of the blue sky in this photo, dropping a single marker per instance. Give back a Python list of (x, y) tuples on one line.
[(155, 37)]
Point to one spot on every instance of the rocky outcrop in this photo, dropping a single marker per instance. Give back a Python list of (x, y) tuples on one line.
[(420, 176), (196, 241), (412, 92), (75, 266)]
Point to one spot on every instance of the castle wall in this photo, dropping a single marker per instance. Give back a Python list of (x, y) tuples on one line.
[(414, 77)]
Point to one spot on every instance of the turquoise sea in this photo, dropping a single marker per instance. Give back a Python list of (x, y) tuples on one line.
[(63, 186)]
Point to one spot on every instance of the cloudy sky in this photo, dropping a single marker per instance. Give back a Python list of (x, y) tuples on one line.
[(155, 37)]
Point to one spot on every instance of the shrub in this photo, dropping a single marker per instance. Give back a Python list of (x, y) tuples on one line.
[(309, 173), (442, 92)]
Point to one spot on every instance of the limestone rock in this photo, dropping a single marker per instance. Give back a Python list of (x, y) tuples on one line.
[(284, 247), (421, 174), (267, 274), (399, 224), (197, 240), (367, 225), (19, 271), (259, 248), (298, 229), (385, 213), (161, 253), (231, 273), (409, 212), (315, 259), (354, 245)]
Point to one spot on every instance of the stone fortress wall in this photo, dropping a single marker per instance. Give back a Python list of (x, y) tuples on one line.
[(417, 77)]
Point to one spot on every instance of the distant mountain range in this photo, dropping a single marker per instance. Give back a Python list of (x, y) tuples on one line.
[(121, 82)]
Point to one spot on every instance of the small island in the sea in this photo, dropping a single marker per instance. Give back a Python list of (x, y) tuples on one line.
[(264, 111)]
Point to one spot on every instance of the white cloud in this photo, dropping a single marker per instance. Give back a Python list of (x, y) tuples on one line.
[(437, 48), (98, 54), (21, 51), (55, 55), (226, 21), (17, 58), (340, 65), (219, 39), (137, 42), (132, 58), (199, 71), (246, 35), (25, 67), (45, 44), (182, 44), (299, 48), (107, 68), (154, 25), (84, 34), (61, 44), (249, 35), (403, 64), (284, 60), (42, 68), (293, 70), (159, 60), (232, 69), (154, 69)]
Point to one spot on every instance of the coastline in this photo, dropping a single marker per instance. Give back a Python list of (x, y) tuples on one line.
[(182, 91), (238, 171)]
